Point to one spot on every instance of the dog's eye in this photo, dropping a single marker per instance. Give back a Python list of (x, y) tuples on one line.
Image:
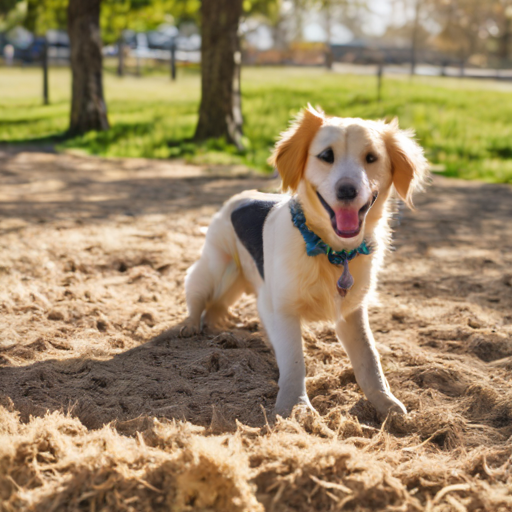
[(327, 155), (370, 158)]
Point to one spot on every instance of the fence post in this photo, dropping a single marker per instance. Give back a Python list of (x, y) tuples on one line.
[(329, 58), (120, 51), (414, 45), (137, 72), (173, 59), (380, 71), (44, 58), (443, 67)]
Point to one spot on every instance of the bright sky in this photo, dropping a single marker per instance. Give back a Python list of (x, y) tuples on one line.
[(375, 24), (381, 18)]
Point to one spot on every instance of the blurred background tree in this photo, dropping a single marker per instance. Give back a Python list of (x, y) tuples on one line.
[(469, 29), (88, 107), (467, 26), (43, 15), (38, 16), (143, 15), (220, 113), (12, 13)]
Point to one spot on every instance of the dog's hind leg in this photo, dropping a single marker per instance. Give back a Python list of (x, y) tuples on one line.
[(217, 314), (198, 288), (210, 285)]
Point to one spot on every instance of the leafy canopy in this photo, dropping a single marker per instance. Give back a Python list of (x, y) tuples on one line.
[(116, 15)]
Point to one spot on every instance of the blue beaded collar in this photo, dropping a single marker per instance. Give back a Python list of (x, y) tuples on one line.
[(315, 245)]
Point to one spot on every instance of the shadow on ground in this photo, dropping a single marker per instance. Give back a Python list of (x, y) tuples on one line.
[(42, 187), (226, 377)]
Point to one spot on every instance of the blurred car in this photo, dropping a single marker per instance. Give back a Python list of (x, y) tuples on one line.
[(58, 45), (29, 48), (156, 44)]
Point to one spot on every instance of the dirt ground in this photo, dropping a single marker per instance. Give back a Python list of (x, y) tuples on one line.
[(102, 407)]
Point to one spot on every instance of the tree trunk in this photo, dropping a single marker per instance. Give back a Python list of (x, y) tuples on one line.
[(504, 41), (329, 57), (88, 108), (414, 45), (220, 114)]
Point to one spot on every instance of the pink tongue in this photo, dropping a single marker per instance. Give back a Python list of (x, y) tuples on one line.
[(347, 220)]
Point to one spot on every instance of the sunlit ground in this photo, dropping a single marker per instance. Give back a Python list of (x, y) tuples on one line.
[(463, 124)]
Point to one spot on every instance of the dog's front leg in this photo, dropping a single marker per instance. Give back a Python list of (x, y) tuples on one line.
[(285, 335), (357, 338)]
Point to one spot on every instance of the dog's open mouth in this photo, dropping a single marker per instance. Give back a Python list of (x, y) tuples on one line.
[(347, 222)]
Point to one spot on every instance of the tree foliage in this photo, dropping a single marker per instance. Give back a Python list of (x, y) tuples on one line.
[(142, 15), (6, 6), (116, 15), (43, 15), (12, 13), (462, 27)]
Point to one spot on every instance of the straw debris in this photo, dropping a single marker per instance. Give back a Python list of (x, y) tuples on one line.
[(104, 407)]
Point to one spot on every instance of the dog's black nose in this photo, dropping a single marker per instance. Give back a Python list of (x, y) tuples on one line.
[(346, 192)]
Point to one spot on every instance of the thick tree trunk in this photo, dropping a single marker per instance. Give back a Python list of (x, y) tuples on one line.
[(220, 114), (88, 108)]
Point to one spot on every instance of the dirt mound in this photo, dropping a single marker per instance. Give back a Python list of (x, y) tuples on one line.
[(103, 407)]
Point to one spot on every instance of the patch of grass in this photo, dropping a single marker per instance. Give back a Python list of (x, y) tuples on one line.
[(464, 125)]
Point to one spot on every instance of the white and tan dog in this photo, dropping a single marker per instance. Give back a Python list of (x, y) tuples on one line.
[(341, 173)]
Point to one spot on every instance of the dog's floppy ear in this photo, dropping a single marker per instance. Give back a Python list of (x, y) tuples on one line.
[(291, 151), (409, 166)]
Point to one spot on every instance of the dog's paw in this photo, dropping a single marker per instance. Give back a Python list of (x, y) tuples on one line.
[(232, 319), (387, 403), (188, 329), (285, 404), (218, 320)]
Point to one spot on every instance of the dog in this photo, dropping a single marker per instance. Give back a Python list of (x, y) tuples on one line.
[(312, 254)]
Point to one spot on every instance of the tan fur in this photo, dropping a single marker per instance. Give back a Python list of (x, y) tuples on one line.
[(291, 151), (408, 165), (317, 299), (316, 219)]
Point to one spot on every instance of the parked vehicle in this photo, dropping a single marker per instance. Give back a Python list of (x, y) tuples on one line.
[(29, 48), (156, 44)]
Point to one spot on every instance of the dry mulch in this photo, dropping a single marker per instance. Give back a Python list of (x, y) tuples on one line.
[(103, 407)]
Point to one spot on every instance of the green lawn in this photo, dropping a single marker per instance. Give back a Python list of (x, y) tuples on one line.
[(465, 126)]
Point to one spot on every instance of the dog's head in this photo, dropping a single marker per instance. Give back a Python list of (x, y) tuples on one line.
[(343, 169)]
